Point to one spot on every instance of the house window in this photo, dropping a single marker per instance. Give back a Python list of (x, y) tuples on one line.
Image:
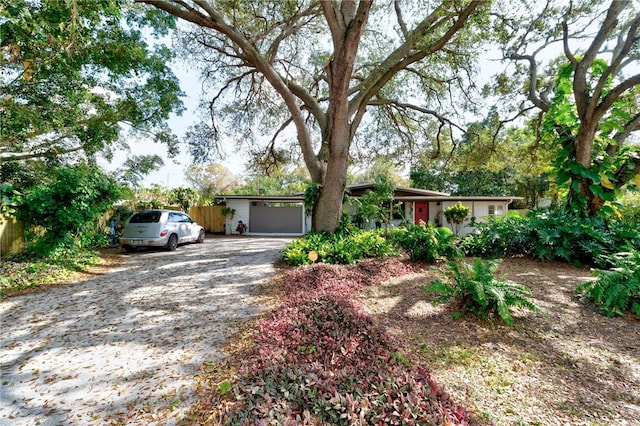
[(496, 209)]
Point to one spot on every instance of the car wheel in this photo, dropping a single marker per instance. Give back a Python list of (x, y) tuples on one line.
[(201, 236), (130, 249), (172, 243)]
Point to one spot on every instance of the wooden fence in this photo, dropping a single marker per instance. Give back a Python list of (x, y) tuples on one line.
[(12, 230), (11, 235), (210, 217)]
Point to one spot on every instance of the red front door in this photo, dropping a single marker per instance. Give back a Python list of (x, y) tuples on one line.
[(421, 212)]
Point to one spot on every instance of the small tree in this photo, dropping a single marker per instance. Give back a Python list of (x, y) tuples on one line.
[(457, 214), (185, 197), (376, 204), (228, 214)]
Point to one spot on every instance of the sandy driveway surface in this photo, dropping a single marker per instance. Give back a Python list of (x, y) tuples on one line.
[(124, 347)]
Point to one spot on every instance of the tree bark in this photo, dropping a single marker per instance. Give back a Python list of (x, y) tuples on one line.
[(347, 25)]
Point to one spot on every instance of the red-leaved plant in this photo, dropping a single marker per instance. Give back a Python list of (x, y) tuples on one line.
[(320, 359)]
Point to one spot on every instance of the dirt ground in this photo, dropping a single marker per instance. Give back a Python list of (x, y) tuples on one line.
[(565, 365)]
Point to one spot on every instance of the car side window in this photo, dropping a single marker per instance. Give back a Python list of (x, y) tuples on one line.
[(184, 218), (175, 217)]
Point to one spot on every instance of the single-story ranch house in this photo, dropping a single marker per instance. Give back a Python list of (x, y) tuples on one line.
[(285, 215)]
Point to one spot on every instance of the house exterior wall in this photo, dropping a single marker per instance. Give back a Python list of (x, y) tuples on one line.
[(242, 213), (279, 219), (479, 211)]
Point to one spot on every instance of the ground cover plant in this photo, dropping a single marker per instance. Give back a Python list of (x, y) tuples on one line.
[(22, 273), (318, 359)]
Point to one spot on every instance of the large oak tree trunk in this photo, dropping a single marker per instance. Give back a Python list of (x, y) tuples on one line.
[(329, 209), (346, 20), (584, 152)]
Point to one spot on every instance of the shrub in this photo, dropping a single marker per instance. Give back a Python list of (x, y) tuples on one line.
[(616, 290), (553, 235), (67, 207), (478, 291), (456, 214), (498, 236), (343, 247), (630, 207), (426, 242)]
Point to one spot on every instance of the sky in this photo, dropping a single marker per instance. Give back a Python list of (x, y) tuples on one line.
[(171, 174)]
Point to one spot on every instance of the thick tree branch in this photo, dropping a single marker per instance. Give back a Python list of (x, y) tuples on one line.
[(403, 25), (404, 55), (402, 105), (584, 102), (614, 94), (539, 101), (17, 156), (212, 19)]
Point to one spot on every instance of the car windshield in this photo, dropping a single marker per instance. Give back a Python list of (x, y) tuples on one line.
[(146, 217)]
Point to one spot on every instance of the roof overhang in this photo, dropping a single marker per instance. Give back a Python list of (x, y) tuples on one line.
[(459, 198), (271, 198)]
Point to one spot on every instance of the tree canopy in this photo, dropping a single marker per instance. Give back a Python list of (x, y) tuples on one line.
[(325, 68), (587, 100), (78, 76)]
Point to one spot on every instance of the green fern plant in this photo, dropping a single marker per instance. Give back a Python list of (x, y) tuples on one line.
[(616, 290), (477, 290)]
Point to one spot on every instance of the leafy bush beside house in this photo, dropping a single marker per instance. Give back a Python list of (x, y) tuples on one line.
[(425, 242), (553, 235), (338, 248), (456, 214)]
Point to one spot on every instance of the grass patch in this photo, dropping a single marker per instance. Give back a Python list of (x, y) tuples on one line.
[(22, 274)]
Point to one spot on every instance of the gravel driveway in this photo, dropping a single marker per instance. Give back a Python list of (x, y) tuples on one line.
[(124, 347)]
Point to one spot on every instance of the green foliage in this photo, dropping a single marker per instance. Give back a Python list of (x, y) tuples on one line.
[(74, 71), (8, 195), (630, 207), (136, 167), (478, 291), (553, 235), (184, 197), (612, 165), (426, 243), (25, 272), (338, 248), (62, 213), (616, 290), (457, 214), (311, 197), (498, 236), (489, 160), (228, 212)]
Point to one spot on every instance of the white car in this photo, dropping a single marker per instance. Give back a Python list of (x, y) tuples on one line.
[(160, 228)]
